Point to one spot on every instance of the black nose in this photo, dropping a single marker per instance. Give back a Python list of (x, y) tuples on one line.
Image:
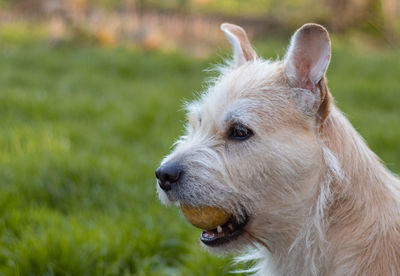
[(168, 174)]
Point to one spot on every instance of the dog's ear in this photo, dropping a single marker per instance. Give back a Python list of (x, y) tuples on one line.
[(242, 49), (308, 56), (306, 62)]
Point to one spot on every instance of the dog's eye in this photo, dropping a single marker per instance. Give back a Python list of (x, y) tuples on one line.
[(239, 132)]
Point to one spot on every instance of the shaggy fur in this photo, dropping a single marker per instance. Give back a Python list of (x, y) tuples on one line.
[(319, 200)]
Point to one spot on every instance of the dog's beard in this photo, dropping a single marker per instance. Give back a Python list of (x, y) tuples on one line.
[(231, 236)]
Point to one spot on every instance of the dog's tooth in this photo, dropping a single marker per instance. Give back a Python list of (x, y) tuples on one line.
[(219, 229), (230, 226)]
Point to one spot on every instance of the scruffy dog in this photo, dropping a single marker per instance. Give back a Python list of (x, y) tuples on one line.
[(266, 145)]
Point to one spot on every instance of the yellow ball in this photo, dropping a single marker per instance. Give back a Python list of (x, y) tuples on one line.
[(205, 218)]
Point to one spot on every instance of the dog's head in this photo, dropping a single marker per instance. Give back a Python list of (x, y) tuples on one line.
[(251, 146)]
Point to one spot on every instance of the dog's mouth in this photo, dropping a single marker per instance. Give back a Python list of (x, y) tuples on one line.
[(225, 233), (219, 226)]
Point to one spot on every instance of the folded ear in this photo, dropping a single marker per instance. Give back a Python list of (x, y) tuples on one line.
[(242, 49), (308, 56)]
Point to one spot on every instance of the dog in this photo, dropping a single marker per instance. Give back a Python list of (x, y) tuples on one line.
[(266, 144)]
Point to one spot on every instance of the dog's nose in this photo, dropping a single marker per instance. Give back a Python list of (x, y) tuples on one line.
[(168, 174)]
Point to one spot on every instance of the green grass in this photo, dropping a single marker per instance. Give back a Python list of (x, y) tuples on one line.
[(82, 131)]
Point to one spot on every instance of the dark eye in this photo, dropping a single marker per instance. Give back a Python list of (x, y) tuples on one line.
[(239, 132)]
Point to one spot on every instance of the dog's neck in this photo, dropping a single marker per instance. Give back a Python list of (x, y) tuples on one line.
[(364, 203), (364, 177), (347, 209)]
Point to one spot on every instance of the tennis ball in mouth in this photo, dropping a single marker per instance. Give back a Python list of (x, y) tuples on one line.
[(205, 217)]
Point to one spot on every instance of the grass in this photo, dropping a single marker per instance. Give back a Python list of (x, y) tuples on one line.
[(82, 130)]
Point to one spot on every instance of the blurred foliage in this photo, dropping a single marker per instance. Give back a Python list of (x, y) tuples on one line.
[(250, 7), (22, 33), (379, 18)]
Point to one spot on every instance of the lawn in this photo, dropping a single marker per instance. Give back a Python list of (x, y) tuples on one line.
[(82, 130)]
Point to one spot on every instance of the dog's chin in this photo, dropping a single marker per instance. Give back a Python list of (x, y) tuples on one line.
[(233, 246), (230, 237), (226, 233)]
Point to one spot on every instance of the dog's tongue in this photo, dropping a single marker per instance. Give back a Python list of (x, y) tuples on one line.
[(206, 218)]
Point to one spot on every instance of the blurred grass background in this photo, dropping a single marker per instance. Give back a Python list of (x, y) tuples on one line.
[(84, 123)]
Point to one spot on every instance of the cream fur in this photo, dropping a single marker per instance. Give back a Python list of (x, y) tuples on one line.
[(320, 201)]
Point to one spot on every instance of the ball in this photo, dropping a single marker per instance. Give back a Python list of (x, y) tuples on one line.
[(205, 217)]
